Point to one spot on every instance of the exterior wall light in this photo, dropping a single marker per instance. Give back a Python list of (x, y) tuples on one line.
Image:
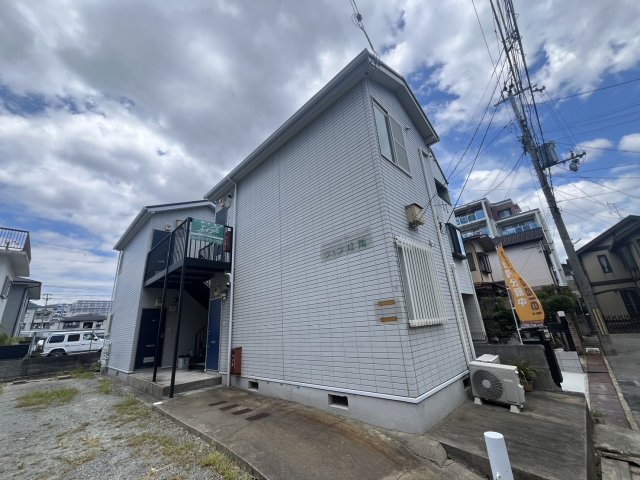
[(415, 215)]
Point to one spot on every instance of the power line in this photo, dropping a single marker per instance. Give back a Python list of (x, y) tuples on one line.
[(601, 148), (594, 90)]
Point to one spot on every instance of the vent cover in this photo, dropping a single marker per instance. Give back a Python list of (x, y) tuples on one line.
[(487, 385)]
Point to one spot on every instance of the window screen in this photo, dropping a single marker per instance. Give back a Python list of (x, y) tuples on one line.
[(390, 138), (422, 295)]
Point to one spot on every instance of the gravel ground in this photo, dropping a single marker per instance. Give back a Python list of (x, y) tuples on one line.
[(98, 435)]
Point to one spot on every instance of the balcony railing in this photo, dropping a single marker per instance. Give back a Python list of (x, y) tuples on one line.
[(471, 217), (183, 243), (17, 240), (513, 229)]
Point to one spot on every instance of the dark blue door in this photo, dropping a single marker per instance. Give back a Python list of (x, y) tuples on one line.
[(213, 337), (147, 338)]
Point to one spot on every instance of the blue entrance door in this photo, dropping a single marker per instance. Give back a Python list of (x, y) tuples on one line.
[(213, 337)]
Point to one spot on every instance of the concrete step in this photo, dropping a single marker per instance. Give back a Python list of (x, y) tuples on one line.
[(161, 390)]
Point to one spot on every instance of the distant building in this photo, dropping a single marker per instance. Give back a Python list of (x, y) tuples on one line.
[(524, 235), (82, 307), (611, 262), (16, 289)]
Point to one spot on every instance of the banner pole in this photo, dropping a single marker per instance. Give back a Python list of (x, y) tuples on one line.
[(515, 318)]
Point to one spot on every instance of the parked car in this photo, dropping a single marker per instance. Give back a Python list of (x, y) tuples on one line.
[(64, 343)]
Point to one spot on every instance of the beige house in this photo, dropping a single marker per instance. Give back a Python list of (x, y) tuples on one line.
[(611, 261)]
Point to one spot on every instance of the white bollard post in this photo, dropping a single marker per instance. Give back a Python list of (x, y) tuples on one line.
[(498, 456)]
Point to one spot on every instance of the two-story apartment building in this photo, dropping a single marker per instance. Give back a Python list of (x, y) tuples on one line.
[(524, 235), (339, 281), (612, 264), (16, 288)]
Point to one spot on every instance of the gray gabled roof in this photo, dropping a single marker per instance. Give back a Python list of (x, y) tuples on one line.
[(623, 227), (363, 66), (147, 212)]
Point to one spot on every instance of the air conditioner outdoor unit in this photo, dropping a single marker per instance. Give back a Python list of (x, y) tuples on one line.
[(497, 383)]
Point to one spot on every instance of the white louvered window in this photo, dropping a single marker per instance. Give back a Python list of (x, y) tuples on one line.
[(390, 138), (421, 290)]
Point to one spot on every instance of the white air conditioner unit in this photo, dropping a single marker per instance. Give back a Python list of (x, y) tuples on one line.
[(497, 383), (168, 227)]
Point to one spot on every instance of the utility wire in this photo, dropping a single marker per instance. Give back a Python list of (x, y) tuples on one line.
[(594, 90), (601, 148)]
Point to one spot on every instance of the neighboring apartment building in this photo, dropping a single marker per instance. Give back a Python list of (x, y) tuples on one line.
[(337, 273), (611, 262), (84, 307), (16, 288), (523, 234)]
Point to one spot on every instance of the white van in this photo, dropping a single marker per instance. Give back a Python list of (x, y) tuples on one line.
[(64, 343)]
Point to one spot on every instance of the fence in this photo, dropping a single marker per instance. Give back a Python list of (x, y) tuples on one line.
[(37, 366), (622, 323)]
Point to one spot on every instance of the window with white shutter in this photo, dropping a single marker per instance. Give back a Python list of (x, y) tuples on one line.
[(390, 138), (420, 282)]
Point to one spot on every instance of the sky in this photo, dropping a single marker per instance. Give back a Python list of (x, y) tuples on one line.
[(109, 106)]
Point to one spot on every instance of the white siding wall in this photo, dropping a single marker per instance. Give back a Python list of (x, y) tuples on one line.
[(302, 319), (437, 350), (130, 297)]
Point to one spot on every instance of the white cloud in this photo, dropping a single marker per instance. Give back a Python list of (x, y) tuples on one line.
[(630, 142), (206, 82)]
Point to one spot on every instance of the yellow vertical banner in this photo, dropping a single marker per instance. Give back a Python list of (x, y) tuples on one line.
[(526, 303)]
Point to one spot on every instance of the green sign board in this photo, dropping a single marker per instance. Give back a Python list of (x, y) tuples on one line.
[(207, 231)]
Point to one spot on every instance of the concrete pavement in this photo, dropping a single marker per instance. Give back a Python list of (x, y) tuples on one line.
[(626, 368), (276, 439), (547, 440)]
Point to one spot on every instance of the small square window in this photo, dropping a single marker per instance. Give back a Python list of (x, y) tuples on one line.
[(483, 261), (455, 240), (604, 264), (472, 262)]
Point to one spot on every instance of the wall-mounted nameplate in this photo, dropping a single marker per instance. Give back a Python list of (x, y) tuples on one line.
[(353, 243)]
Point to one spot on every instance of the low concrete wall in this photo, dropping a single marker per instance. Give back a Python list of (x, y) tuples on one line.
[(33, 367), (533, 354), (11, 352)]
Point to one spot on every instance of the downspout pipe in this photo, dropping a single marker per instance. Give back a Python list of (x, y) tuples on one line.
[(232, 278), (450, 281)]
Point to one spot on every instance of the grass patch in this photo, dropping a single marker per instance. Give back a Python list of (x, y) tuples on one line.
[(180, 453), (77, 460), (222, 465), (80, 428), (129, 410), (47, 398), (82, 374), (105, 386)]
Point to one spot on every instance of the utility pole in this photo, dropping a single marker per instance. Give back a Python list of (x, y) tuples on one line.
[(506, 22), (47, 296)]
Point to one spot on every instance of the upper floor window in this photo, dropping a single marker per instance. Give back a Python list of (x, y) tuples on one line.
[(4, 293), (472, 262), (443, 192), (483, 261), (604, 264), (455, 240), (504, 213), (627, 258), (390, 138)]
